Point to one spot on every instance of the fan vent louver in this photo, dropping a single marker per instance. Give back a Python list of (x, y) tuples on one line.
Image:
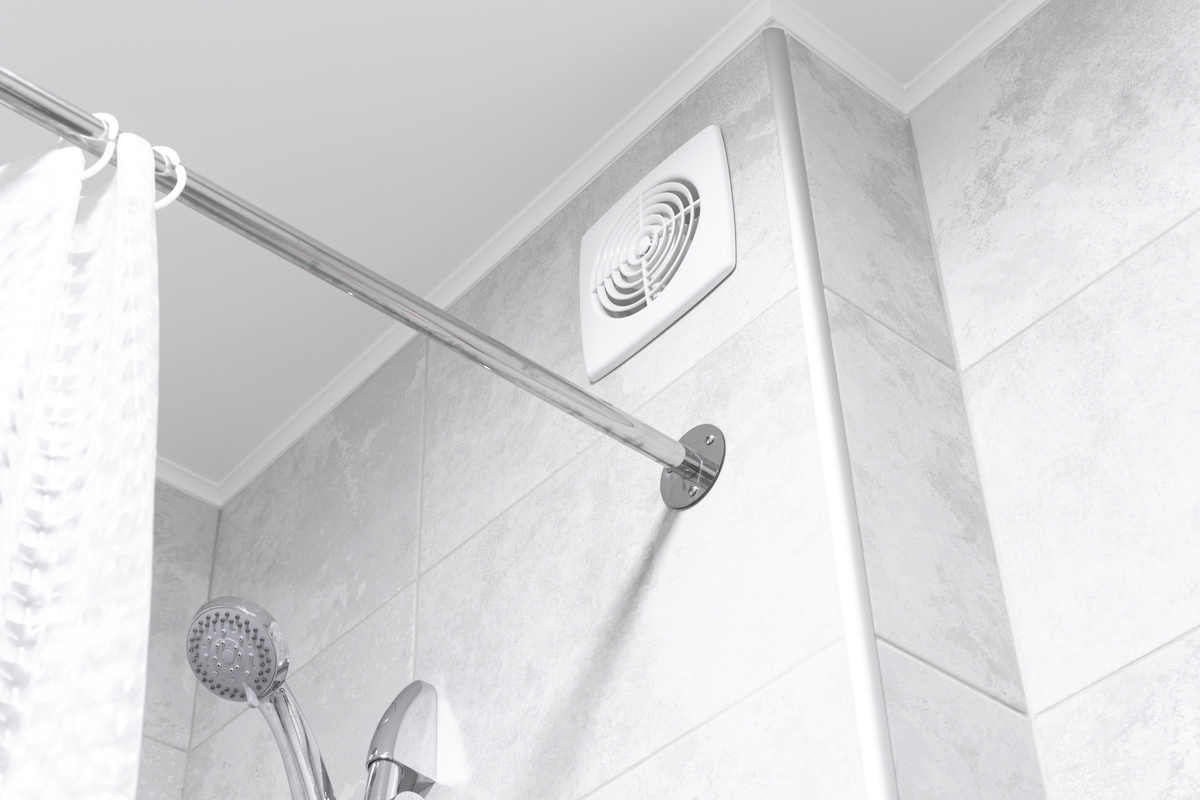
[(650, 258), (646, 246)]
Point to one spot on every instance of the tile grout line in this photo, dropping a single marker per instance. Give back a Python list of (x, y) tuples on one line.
[(420, 504), (1122, 262), (952, 676), (712, 717), (167, 744), (600, 437), (212, 569), (1119, 670), (887, 327)]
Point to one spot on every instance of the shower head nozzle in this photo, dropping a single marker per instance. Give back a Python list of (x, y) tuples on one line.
[(235, 649)]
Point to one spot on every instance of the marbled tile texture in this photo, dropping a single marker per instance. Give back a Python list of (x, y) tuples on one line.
[(935, 586), (1088, 433), (952, 742), (488, 442), (160, 771), (1134, 734), (588, 626), (185, 530), (1057, 154), (807, 714), (328, 532), (872, 229)]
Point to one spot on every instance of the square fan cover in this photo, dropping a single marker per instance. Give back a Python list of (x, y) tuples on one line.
[(665, 245)]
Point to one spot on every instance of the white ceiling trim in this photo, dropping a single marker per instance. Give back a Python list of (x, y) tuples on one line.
[(999, 24), (758, 15)]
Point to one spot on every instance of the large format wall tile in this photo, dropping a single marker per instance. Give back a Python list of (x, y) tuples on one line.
[(868, 206), (343, 692), (160, 771), (1134, 734), (184, 532), (588, 626), (1088, 433), (796, 738), (952, 742), (490, 443), (329, 532), (1060, 152), (935, 586)]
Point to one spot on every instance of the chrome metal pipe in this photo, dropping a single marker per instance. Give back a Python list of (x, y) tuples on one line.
[(302, 763), (82, 129)]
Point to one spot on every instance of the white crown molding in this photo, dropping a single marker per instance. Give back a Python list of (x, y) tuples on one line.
[(188, 482), (966, 50), (806, 28), (759, 14)]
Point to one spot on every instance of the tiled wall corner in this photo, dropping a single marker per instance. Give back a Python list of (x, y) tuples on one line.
[(1063, 178), (951, 741), (931, 566), (328, 533), (1057, 154), (867, 204), (185, 530)]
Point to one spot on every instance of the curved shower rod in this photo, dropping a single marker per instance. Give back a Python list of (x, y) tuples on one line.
[(690, 464)]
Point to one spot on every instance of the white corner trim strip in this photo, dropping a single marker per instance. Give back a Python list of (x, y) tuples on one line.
[(813, 33), (982, 38)]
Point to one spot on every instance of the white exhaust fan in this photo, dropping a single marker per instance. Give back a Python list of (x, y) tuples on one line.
[(656, 253)]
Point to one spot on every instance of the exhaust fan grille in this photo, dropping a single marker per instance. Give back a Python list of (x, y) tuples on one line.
[(645, 247), (649, 258)]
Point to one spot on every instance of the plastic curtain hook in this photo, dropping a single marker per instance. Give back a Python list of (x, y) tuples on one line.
[(111, 128), (172, 158)]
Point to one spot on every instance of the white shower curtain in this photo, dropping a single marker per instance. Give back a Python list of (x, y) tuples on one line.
[(78, 420)]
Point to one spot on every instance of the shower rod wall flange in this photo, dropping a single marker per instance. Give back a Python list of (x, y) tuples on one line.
[(686, 467)]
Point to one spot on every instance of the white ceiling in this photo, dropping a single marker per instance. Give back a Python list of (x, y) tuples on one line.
[(426, 140)]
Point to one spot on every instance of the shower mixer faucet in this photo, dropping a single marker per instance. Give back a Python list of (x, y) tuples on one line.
[(237, 651)]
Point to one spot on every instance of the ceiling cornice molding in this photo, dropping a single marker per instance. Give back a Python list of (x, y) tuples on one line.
[(732, 38), (966, 50)]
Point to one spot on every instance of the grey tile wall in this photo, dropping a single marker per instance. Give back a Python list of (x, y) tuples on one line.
[(872, 229), (951, 741), (588, 626), (935, 586), (1132, 735), (328, 533), (1088, 429), (185, 531), (807, 714), (1063, 175), (1057, 154), (932, 572)]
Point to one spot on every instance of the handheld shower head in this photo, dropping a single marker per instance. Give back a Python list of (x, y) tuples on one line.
[(234, 645), (237, 652)]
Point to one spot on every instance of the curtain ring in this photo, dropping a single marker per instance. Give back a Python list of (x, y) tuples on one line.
[(110, 134), (171, 158)]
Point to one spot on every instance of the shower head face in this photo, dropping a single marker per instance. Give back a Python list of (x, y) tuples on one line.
[(234, 645)]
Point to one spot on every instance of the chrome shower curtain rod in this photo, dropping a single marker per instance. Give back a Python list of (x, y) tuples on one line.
[(690, 464)]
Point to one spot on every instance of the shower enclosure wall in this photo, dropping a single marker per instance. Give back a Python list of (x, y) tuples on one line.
[(588, 642)]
